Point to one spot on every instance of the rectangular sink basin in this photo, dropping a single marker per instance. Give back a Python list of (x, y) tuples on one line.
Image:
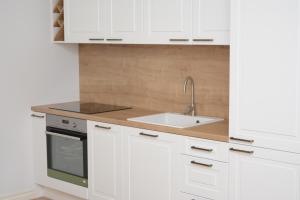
[(175, 120)]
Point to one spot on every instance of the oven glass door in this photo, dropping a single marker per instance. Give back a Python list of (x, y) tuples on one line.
[(67, 155)]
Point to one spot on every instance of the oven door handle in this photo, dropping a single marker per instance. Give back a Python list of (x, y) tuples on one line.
[(63, 136)]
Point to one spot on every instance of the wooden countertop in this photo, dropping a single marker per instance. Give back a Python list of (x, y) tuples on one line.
[(217, 131)]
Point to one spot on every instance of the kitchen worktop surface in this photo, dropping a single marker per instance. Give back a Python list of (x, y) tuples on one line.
[(217, 131)]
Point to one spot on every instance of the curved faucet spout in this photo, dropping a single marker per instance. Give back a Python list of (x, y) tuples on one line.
[(192, 108)]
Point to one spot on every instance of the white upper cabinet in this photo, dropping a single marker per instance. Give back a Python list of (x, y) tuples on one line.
[(261, 174), (265, 73), (125, 21), (168, 21), (85, 21), (147, 21), (211, 21)]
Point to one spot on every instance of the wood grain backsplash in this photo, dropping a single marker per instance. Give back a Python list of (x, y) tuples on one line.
[(152, 76)]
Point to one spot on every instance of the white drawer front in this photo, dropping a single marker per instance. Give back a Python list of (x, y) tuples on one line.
[(184, 196), (154, 135), (207, 149), (99, 126), (203, 177)]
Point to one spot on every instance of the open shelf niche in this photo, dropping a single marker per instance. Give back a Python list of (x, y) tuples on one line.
[(58, 20)]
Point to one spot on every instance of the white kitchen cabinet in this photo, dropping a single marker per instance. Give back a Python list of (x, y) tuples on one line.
[(147, 21), (104, 161), (261, 174), (149, 164), (208, 149), (211, 21), (124, 21), (85, 21), (202, 177), (39, 147), (265, 74), (168, 21)]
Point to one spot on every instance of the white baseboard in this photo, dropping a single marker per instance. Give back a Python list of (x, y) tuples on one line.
[(57, 195), (41, 191), (24, 196)]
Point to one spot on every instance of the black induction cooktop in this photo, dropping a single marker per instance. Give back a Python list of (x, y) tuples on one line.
[(87, 108)]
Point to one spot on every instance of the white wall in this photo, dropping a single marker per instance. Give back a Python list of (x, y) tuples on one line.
[(32, 71)]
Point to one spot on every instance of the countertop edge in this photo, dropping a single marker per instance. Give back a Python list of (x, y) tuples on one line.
[(193, 132)]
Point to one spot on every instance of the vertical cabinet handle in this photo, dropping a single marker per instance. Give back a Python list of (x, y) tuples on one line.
[(149, 135), (103, 127), (37, 116), (241, 151), (241, 140), (201, 164), (201, 149)]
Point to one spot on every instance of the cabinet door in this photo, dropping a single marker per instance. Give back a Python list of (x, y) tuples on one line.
[(149, 165), (104, 161), (211, 20), (168, 21), (125, 21), (265, 73), (39, 147), (85, 21), (263, 174)]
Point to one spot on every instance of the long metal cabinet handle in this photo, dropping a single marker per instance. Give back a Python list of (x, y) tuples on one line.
[(103, 127), (96, 39), (61, 135), (37, 116), (114, 39), (241, 140), (201, 149), (178, 40), (241, 151), (203, 40), (201, 164), (148, 135)]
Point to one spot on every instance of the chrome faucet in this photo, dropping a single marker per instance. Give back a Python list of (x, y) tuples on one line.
[(191, 108)]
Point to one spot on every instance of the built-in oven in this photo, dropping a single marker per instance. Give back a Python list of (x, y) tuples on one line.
[(67, 149)]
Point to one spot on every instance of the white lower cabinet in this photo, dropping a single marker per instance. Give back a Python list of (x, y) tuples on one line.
[(149, 165), (39, 147), (202, 177), (104, 161), (136, 164), (261, 174), (202, 170)]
